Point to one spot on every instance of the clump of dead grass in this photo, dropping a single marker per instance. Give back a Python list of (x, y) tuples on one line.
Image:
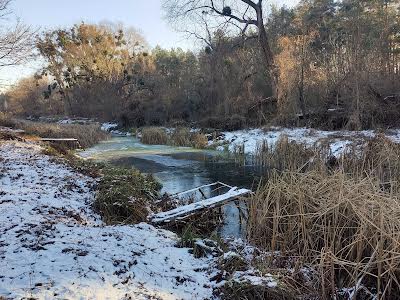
[(124, 195), (179, 137), (154, 136), (6, 120), (199, 140)]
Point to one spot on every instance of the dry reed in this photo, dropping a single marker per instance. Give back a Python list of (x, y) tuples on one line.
[(154, 136), (180, 137), (87, 135), (284, 155), (342, 221)]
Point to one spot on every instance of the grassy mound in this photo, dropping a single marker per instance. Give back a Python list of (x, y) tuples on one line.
[(125, 195)]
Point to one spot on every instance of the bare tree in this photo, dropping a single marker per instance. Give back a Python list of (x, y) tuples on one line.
[(239, 14), (16, 39)]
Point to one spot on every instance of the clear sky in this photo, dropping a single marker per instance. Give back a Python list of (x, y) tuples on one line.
[(144, 15)]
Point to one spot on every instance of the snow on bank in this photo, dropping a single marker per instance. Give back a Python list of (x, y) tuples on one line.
[(338, 140), (52, 245), (113, 129), (108, 126)]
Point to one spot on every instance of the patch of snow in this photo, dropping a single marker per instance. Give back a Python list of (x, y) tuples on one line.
[(250, 277), (108, 126), (66, 121), (52, 245), (337, 140), (230, 255), (10, 130)]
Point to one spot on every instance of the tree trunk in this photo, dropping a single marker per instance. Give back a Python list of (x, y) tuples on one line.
[(301, 85), (267, 53)]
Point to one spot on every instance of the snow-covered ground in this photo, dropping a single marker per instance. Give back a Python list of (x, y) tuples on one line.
[(52, 245), (338, 140)]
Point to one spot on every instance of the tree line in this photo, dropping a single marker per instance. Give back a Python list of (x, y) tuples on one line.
[(325, 63)]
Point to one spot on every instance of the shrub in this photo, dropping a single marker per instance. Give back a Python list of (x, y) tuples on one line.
[(154, 136)]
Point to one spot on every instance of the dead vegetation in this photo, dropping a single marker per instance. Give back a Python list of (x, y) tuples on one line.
[(284, 155), (179, 137), (125, 195), (154, 136), (342, 219), (6, 120), (87, 135)]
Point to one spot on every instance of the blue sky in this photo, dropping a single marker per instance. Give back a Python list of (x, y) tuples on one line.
[(145, 15)]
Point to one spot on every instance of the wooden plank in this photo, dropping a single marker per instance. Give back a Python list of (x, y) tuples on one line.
[(200, 187), (185, 211), (10, 130), (59, 140)]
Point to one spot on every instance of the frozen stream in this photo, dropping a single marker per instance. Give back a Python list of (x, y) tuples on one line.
[(179, 169)]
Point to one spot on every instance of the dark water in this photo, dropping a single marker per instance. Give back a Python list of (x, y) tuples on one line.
[(180, 169)]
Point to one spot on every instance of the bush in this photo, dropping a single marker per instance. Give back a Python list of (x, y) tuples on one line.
[(154, 136)]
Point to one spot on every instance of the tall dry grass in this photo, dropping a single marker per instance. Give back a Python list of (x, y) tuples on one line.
[(87, 135), (343, 220), (6, 120), (154, 136), (284, 155), (180, 137)]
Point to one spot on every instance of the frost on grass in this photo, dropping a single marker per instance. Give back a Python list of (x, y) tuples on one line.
[(52, 245)]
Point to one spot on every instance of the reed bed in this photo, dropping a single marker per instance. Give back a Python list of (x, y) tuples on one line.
[(283, 155), (341, 218)]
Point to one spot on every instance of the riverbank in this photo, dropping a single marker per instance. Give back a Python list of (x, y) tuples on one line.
[(54, 245), (249, 141)]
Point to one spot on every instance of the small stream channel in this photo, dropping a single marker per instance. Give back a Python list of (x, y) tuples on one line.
[(179, 169)]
